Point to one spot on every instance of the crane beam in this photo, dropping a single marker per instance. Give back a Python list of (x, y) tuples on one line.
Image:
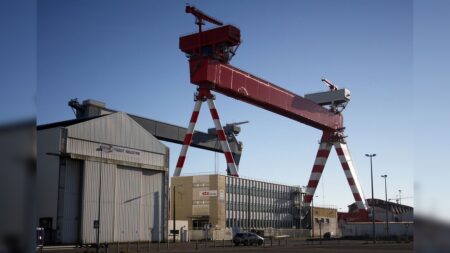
[(241, 85)]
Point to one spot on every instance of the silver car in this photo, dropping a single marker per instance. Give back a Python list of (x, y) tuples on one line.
[(247, 238)]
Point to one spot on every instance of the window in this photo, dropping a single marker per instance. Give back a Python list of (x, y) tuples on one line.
[(199, 224)]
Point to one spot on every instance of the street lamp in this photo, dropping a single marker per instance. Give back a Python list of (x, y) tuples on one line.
[(385, 193), (312, 215), (174, 214), (373, 203), (302, 198), (107, 149)]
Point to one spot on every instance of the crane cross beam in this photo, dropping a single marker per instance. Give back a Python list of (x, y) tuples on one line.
[(241, 85)]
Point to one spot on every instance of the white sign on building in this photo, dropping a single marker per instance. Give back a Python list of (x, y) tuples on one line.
[(210, 193)]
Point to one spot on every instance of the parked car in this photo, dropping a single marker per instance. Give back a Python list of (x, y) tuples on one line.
[(247, 239), (328, 235)]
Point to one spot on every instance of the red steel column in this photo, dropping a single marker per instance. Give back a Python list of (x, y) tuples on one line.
[(222, 138), (350, 172), (319, 164), (188, 137)]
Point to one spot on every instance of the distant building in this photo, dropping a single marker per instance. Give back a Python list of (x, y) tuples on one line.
[(400, 220), (134, 181), (324, 220), (228, 203)]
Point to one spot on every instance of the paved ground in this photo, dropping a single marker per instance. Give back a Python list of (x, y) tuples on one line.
[(291, 246)]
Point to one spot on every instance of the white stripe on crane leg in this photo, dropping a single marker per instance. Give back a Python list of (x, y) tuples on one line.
[(325, 146), (354, 189), (315, 176), (320, 160), (310, 190)]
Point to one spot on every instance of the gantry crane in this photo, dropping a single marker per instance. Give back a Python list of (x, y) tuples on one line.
[(209, 53)]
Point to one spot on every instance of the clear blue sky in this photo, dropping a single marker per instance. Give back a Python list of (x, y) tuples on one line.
[(126, 54), (393, 55), (432, 118)]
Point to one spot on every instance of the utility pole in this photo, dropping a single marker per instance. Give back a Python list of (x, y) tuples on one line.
[(301, 207), (373, 202), (312, 216), (386, 199), (107, 149), (173, 230)]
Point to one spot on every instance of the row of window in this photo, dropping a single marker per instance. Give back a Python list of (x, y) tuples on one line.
[(257, 223), (270, 208), (259, 192)]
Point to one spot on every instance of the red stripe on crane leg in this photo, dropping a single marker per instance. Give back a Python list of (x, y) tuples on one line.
[(221, 135), (214, 113), (323, 153), (339, 151), (357, 196), (187, 139), (318, 168), (313, 183), (180, 161), (194, 116), (229, 157), (351, 181), (308, 198), (345, 166)]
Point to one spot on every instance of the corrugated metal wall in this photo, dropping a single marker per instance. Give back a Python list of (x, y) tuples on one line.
[(70, 178), (90, 201), (130, 203), (151, 225)]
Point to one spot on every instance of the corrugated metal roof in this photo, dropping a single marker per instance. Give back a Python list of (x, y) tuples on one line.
[(116, 129)]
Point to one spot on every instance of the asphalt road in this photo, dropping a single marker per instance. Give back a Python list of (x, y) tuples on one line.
[(291, 246)]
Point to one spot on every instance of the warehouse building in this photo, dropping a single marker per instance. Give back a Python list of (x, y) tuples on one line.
[(109, 159), (226, 203), (400, 220)]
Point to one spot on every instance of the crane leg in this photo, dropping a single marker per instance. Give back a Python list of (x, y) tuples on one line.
[(231, 165), (188, 137), (350, 172), (319, 164)]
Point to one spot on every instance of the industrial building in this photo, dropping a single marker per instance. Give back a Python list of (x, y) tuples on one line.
[(391, 219), (107, 161), (324, 220), (227, 203)]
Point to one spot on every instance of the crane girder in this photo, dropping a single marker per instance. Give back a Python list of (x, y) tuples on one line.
[(241, 85)]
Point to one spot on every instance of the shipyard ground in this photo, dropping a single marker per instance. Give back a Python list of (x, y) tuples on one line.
[(282, 246)]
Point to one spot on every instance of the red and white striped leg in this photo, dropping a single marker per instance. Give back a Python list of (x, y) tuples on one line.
[(350, 172), (231, 165), (188, 137), (319, 164)]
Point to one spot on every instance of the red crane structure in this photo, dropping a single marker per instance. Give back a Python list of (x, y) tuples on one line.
[(209, 53)]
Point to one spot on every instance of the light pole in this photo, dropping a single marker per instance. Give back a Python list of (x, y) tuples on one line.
[(173, 229), (107, 149), (312, 216), (302, 196), (373, 206), (387, 216)]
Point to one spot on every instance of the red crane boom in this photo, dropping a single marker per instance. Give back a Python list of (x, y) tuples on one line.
[(246, 87)]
